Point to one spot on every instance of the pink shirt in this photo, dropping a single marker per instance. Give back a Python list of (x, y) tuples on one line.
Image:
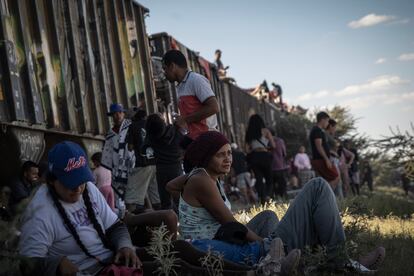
[(302, 161), (103, 177)]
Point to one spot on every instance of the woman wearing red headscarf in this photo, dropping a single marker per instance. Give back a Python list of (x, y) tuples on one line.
[(203, 205)]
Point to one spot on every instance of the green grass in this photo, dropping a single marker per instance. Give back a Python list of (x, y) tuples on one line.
[(384, 217)]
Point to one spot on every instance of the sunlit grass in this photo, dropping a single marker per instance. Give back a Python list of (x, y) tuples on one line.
[(384, 217)]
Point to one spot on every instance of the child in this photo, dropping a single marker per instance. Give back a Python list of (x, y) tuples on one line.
[(103, 178)]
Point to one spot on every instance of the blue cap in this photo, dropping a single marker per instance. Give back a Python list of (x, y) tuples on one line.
[(68, 162), (115, 107)]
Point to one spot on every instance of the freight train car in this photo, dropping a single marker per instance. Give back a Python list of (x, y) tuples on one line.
[(236, 104), (62, 63)]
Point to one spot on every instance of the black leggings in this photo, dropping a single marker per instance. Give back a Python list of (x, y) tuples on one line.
[(164, 175), (261, 164)]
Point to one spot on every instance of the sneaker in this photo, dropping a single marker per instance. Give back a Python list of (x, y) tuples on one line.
[(272, 263), (374, 258), (276, 251), (275, 262), (268, 266), (290, 262)]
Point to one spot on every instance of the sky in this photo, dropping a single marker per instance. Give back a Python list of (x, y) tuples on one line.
[(354, 53)]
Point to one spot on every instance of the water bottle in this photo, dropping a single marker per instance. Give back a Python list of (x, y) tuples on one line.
[(182, 130)]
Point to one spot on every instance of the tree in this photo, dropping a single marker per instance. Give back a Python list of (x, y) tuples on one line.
[(401, 147), (294, 130), (346, 122)]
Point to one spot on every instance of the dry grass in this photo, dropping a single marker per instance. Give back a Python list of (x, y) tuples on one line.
[(161, 249), (385, 217), (213, 263)]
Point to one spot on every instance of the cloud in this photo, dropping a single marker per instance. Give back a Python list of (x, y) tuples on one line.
[(375, 84), (400, 22), (379, 84), (406, 57), (370, 20), (409, 108), (380, 61), (399, 98), (384, 98), (310, 96)]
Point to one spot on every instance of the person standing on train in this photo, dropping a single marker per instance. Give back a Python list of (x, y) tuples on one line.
[(196, 100)]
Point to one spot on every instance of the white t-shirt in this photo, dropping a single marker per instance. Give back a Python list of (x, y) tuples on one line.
[(44, 233), (192, 92)]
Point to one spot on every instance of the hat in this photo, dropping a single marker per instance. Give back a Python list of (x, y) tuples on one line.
[(68, 162), (200, 151), (115, 107)]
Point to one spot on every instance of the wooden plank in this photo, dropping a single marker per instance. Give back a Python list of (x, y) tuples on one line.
[(115, 52), (95, 58), (11, 73), (52, 36), (124, 45), (49, 68), (33, 97), (4, 106), (73, 93), (104, 50), (132, 36), (83, 59), (143, 47)]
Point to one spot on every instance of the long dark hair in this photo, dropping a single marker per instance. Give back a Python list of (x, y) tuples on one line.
[(91, 215), (254, 128)]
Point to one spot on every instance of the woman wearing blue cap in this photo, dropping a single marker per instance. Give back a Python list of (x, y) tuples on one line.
[(68, 227)]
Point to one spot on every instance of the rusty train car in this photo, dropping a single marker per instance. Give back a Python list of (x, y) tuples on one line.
[(62, 63)]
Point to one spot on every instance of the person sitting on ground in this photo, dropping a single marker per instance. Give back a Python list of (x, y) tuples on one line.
[(25, 185), (302, 163), (312, 218), (68, 227), (103, 179), (243, 176)]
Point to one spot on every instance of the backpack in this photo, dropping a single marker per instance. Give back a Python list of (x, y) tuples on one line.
[(137, 137)]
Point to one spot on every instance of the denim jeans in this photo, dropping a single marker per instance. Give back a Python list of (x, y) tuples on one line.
[(312, 219)]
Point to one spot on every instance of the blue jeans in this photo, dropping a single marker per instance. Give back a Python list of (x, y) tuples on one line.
[(247, 254), (312, 219)]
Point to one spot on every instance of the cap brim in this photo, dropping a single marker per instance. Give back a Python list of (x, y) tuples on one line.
[(112, 113), (75, 178)]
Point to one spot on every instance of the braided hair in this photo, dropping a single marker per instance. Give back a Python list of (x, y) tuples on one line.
[(68, 223)]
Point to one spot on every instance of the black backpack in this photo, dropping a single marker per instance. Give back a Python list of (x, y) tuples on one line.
[(137, 137)]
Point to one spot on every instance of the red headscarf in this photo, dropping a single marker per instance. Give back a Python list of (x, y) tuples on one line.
[(200, 151)]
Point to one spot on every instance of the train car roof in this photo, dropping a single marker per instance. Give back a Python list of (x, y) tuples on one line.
[(146, 10), (163, 34)]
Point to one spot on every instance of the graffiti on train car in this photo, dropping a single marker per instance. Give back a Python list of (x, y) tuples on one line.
[(32, 144)]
